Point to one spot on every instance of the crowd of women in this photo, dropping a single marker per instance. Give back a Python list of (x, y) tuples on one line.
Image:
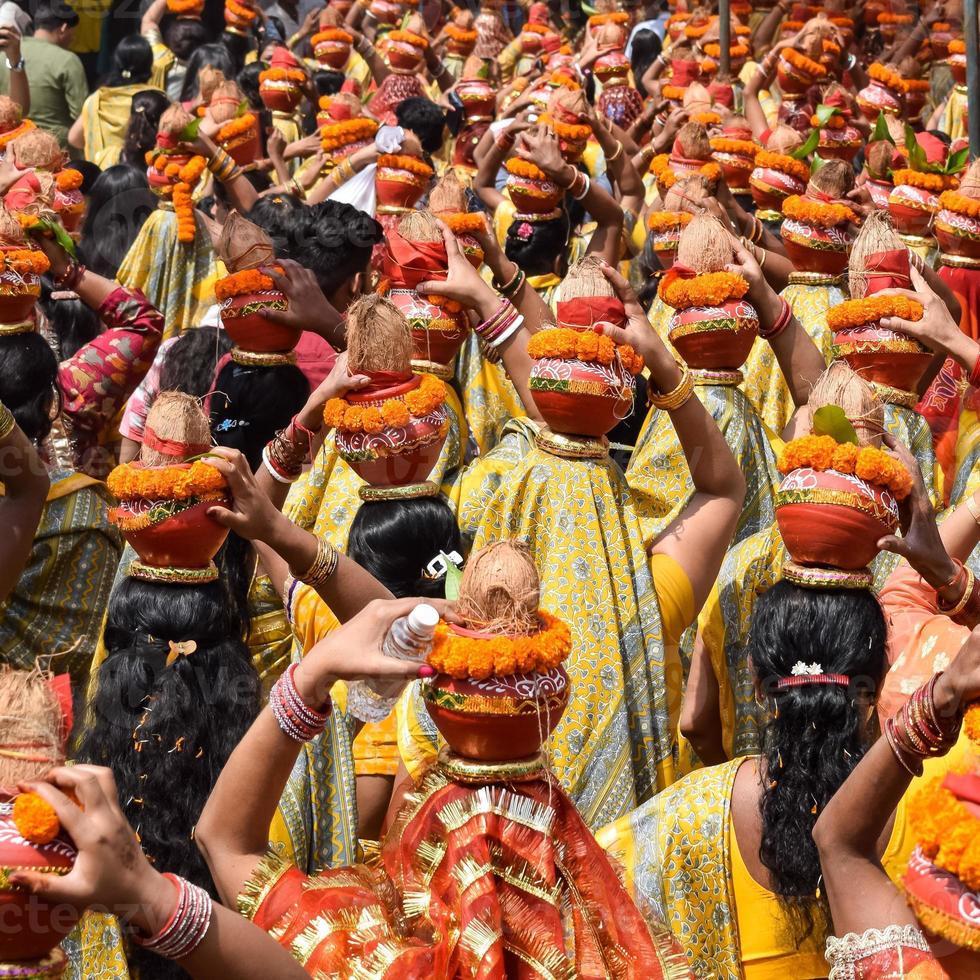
[(492, 491)]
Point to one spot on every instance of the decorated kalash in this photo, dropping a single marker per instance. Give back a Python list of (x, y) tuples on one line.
[(35, 720), (478, 97), (619, 101), (404, 54), (712, 327), (344, 128), (460, 38), (22, 264), (281, 88), (238, 132), (488, 869)]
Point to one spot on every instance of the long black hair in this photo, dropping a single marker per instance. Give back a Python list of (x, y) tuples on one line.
[(644, 51), (191, 361), (818, 732), (132, 62), (29, 383), (215, 55), (167, 731), (144, 120), (395, 540)]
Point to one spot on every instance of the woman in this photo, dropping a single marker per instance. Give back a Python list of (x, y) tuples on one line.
[(141, 133), (101, 128)]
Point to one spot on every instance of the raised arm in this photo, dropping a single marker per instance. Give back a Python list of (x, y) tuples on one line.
[(20, 89)]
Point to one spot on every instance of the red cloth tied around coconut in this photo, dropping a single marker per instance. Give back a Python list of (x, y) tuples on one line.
[(677, 271), (684, 71), (171, 447), (584, 312), (167, 141), (481, 863), (887, 270), (723, 94), (23, 192), (407, 263), (385, 380)]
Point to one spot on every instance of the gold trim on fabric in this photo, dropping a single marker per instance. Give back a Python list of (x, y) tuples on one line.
[(726, 379), (553, 966), (894, 396), (463, 770), (826, 578), (392, 209), (442, 371), (478, 938), (172, 574), (411, 491), (500, 802), (570, 447), (840, 498), (816, 279), (264, 878)]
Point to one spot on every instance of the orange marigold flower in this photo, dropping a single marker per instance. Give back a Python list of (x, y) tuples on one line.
[(526, 169), (784, 163), (709, 289), (244, 282), (408, 37), (68, 179), (614, 17), (35, 819), (858, 312), (240, 126), (817, 212), (887, 77), (331, 34), (803, 64), (742, 148), (960, 203), (131, 481), (347, 131), (26, 261), (565, 343), (400, 162), (673, 93), (338, 413), (668, 220), (295, 75), (844, 457), (395, 413), (867, 463), (466, 222), (957, 46)]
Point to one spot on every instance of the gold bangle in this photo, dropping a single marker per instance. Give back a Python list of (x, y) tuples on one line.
[(617, 154), (963, 600), (971, 506), (7, 421), (324, 565), (672, 400)]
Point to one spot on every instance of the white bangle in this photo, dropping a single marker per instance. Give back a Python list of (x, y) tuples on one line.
[(272, 469), (508, 333), (588, 185)]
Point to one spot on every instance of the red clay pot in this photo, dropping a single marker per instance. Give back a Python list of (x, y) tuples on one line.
[(771, 187), (879, 191), (499, 718), (531, 196), (245, 148), (32, 928), (875, 98), (333, 54), (912, 209), (834, 520), (580, 398), (280, 96), (957, 65), (398, 455), (840, 144), (736, 170), (70, 206), (189, 539), (478, 98), (881, 355), (715, 338), (791, 80), (398, 188), (405, 57), (814, 249), (958, 234), (437, 334), (18, 294), (250, 330)]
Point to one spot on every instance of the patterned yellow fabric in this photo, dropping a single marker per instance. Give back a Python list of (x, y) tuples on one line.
[(287, 124), (764, 383), (270, 640), (325, 499), (953, 122), (967, 474), (95, 949), (674, 852), (105, 118), (177, 279), (658, 473), (163, 60)]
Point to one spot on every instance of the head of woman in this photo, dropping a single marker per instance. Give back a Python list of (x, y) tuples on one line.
[(29, 383), (132, 62), (818, 731), (144, 121), (190, 363), (214, 55), (646, 47), (539, 247), (120, 202), (399, 542)]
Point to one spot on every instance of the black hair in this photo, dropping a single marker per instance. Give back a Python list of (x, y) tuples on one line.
[(70, 321), (184, 36), (326, 81), (118, 206), (29, 382), (535, 251), (144, 120), (275, 214), (50, 16), (248, 82), (189, 363), (132, 62), (214, 55), (90, 174), (396, 539), (167, 731), (818, 732), (333, 240), (424, 118), (645, 50)]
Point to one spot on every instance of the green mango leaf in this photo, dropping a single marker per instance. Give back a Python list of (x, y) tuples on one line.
[(831, 421), (815, 164), (812, 142), (957, 160), (189, 132), (242, 108), (454, 576), (58, 232), (825, 113), (881, 130)]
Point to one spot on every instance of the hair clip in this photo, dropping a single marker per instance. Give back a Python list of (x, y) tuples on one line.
[(439, 565), (182, 649)]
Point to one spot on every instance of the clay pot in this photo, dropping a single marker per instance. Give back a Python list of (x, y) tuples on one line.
[(18, 294), (736, 169), (244, 149), (814, 249), (530, 196), (957, 65), (832, 519), (875, 98), (478, 99), (958, 234), (840, 144), (397, 455), (912, 209), (402, 56), (33, 927), (881, 355), (437, 334), (398, 188), (189, 539), (386, 13), (939, 42), (333, 54), (280, 95), (771, 187), (879, 191), (500, 718), (244, 322), (915, 102), (70, 206), (715, 338), (580, 398), (665, 246), (157, 180), (791, 80)]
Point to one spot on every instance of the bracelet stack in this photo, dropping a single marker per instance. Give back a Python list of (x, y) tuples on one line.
[(780, 323), (7, 421), (223, 166), (324, 565), (966, 611), (675, 399), (501, 326), (71, 277), (916, 732), (285, 454), (295, 718), (510, 289), (343, 172), (187, 926)]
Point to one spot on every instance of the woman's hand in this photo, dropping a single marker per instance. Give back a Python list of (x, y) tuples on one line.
[(960, 682), (937, 329), (252, 514), (760, 294), (307, 308), (60, 260), (275, 144), (335, 385), (542, 147), (110, 870), (462, 283)]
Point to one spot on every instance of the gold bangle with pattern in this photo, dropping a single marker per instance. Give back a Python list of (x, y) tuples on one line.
[(672, 400), (324, 565)]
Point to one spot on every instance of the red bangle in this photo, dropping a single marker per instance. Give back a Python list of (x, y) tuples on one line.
[(780, 324), (975, 374)]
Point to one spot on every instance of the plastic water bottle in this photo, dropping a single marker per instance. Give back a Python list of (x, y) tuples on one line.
[(410, 638)]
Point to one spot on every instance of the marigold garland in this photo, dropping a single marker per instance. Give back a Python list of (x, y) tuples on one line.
[(924, 181), (35, 818), (711, 172), (347, 131), (68, 179), (234, 128), (338, 413), (567, 344), (858, 312), (185, 6), (463, 36), (560, 80), (659, 164), (742, 148), (132, 482), (25, 126), (466, 222), (244, 282), (885, 76), (817, 212), (804, 64), (500, 656), (735, 51), (295, 75), (25, 261), (867, 463), (946, 831), (960, 203), (529, 28), (971, 722), (241, 10), (695, 31), (917, 84), (783, 163), (570, 132), (940, 27), (399, 162), (673, 93), (332, 34), (709, 289), (526, 169), (407, 37), (668, 220), (834, 122), (896, 19), (706, 118), (614, 17), (956, 46)]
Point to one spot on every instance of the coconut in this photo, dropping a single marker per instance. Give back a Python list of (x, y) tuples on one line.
[(378, 337), (224, 102), (463, 19), (704, 245), (208, 79), (10, 114), (30, 714), (840, 386), (449, 195), (585, 278), (174, 120), (475, 69), (692, 142), (36, 149), (784, 139), (878, 159), (697, 98), (834, 179), (568, 105), (177, 420), (876, 235), (243, 245), (970, 182), (500, 590), (11, 232), (687, 193), (419, 226), (610, 37)]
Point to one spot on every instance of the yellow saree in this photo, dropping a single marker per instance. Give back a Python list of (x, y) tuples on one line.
[(105, 117)]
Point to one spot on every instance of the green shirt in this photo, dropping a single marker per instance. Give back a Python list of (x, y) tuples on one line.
[(58, 86)]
